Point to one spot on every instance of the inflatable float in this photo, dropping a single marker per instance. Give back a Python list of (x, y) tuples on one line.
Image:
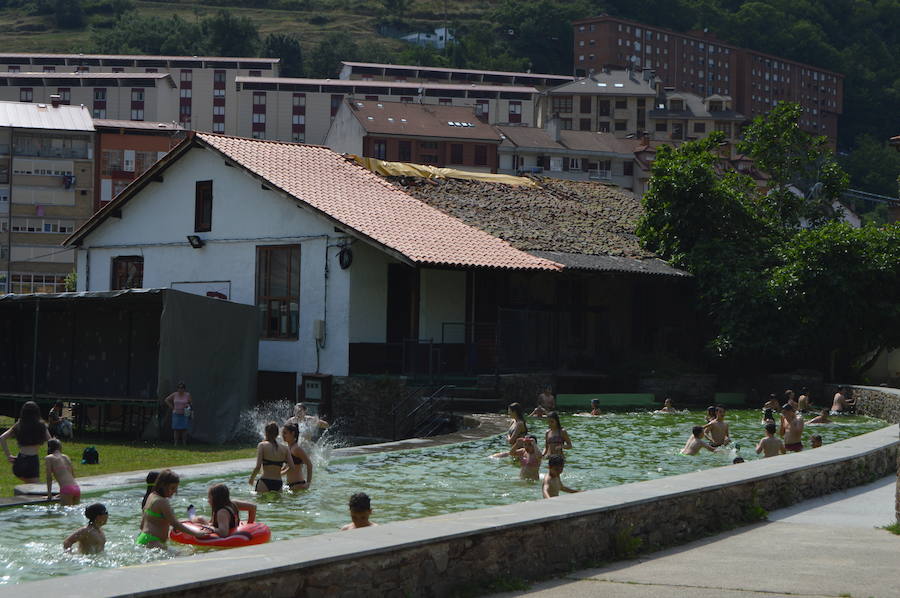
[(247, 534)]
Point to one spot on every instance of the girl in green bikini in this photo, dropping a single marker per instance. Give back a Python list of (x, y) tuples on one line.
[(158, 516)]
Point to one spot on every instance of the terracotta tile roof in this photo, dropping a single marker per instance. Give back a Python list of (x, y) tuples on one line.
[(561, 216), (589, 141), (421, 120), (370, 205)]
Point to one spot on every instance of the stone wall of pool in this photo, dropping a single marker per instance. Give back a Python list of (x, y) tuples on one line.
[(465, 552)]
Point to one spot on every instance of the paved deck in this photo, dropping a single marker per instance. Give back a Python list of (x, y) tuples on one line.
[(821, 548), (481, 426)]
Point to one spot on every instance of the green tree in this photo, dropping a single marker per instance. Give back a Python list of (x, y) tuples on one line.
[(325, 58), (228, 35), (287, 48), (134, 34), (873, 166), (540, 31), (69, 14)]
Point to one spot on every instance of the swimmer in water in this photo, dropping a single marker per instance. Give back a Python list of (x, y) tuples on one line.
[(546, 403), (695, 442), (768, 417), (822, 418), (710, 413), (90, 538), (791, 428), (526, 451), (595, 407), (667, 407), (556, 438), (360, 511), (804, 404), (772, 403), (815, 441), (517, 427), (770, 445), (717, 430), (552, 480)]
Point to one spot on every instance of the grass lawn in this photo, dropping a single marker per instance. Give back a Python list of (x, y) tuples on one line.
[(123, 455)]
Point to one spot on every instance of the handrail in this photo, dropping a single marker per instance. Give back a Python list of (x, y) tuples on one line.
[(411, 419), (430, 399)]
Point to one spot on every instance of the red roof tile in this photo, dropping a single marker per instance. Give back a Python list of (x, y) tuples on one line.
[(372, 206), (421, 120)]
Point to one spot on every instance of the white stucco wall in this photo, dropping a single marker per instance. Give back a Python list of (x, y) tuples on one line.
[(442, 298), (346, 134), (368, 294), (155, 224)]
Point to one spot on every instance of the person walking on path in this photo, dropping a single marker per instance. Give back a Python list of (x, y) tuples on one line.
[(179, 402)]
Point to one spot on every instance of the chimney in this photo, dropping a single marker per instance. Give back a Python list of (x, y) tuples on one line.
[(645, 138), (55, 100), (553, 127)]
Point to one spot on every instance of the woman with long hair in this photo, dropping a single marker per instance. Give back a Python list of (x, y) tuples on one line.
[(296, 478), (556, 438), (31, 433), (225, 512), (270, 457), (517, 427), (158, 516)]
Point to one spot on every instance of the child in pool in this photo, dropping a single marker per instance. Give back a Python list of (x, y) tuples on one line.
[(526, 451), (360, 511), (695, 442), (822, 418), (768, 417), (225, 512), (90, 538), (552, 480), (595, 407), (815, 441), (556, 438), (59, 465), (158, 516), (667, 407), (770, 445)]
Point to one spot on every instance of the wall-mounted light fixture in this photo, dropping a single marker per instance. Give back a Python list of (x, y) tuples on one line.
[(345, 257), (195, 241)]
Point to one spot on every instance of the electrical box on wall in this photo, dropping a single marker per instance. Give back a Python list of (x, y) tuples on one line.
[(319, 329), (316, 390)]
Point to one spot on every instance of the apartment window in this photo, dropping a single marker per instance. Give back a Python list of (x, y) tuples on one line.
[(218, 110), (13, 68), (137, 114), (481, 155), (298, 119), (203, 205), (621, 125), (218, 127), (482, 107), (515, 111), (26, 94), (99, 113), (444, 101), (406, 99), (677, 131), (99, 95), (219, 77), (137, 95), (65, 94), (676, 105), (184, 93), (404, 151), (602, 107), (565, 124), (584, 104), (259, 118), (574, 163), (298, 137), (371, 98), (662, 127), (584, 124), (699, 127), (628, 168), (127, 272), (621, 104), (219, 93), (379, 148), (603, 126), (37, 283), (561, 103), (278, 290), (456, 153), (186, 76), (259, 98)]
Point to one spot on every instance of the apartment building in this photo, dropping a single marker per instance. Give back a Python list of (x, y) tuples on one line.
[(302, 110), (682, 116), (441, 136), (46, 191), (699, 63), (205, 92), (121, 96), (125, 150), (370, 71)]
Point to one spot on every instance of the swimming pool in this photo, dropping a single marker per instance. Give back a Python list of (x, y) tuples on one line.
[(612, 449)]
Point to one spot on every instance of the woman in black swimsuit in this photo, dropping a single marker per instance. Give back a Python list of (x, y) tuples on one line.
[(31, 433), (270, 456), (295, 478), (517, 427)]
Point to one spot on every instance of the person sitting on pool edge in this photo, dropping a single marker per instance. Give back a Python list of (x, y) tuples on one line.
[(158, 516), (695, 442), (90, 538), (360, 511)]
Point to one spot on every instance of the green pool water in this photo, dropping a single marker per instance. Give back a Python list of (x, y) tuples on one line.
[(612, 449)]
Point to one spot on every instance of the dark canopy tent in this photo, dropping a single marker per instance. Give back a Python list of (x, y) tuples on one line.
[(131, 346)]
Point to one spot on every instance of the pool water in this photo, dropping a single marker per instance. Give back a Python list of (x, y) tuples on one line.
[(612, 449)]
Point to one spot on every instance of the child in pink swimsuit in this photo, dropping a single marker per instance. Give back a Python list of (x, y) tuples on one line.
[(60, 466)]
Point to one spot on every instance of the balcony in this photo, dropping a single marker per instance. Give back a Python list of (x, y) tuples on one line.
[(597, 174)]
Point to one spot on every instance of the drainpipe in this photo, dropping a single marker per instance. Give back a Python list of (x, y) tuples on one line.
[(37, 314), (9, 215)]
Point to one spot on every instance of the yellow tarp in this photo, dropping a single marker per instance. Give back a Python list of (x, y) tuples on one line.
[(385, 168)]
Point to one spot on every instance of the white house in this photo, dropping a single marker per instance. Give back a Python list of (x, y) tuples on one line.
[(330, 253), (438, 39)]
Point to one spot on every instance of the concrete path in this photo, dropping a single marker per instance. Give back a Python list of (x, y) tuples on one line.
[(821, 548)]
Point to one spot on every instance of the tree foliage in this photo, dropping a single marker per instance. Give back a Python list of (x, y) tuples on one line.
[(776, 295), (288, 49)]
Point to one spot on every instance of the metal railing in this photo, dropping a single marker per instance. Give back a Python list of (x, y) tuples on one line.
[(419, 415)]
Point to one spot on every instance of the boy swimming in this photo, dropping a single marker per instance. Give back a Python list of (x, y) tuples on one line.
[(360, 511), (667, 407), (595, 407), (59, 465), (770, 445), (552, 480), (695, 442), (717, 429), (90, 538)]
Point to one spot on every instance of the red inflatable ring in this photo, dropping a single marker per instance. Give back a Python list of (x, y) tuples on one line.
[(247, 534)]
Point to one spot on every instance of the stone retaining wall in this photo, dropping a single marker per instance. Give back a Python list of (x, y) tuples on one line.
[(464, 552)]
